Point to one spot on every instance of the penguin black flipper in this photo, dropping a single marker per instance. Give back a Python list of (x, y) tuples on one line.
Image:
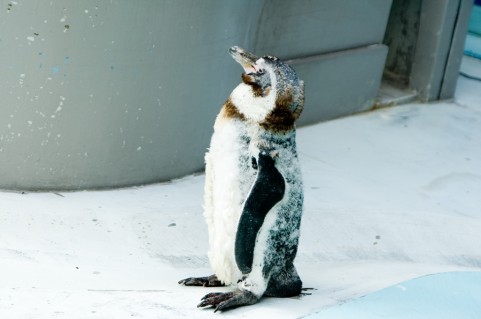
[(268, 189)]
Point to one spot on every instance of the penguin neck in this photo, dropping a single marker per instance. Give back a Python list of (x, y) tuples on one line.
[(253, 107)]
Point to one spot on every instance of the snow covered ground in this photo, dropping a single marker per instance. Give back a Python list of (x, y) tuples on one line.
[(390, 195)]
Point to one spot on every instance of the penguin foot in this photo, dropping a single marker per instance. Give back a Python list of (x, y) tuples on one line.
[(210, 281), (224, 300)]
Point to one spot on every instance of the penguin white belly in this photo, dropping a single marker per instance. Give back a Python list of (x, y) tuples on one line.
[(228, 178)]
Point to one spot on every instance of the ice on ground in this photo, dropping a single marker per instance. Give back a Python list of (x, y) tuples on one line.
[(389, 195)]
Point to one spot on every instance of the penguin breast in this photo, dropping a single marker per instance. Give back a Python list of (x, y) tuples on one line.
[(253, 107)]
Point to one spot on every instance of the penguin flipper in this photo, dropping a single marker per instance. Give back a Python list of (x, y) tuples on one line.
[(268, 189)]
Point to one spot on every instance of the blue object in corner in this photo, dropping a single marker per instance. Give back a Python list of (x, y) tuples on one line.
[(475, 19), (439, 296)]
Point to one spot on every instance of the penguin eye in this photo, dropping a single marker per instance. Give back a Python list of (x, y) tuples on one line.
[(260, 71)]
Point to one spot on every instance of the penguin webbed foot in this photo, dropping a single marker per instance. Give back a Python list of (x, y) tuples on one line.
[(225, 300), (210, 281)]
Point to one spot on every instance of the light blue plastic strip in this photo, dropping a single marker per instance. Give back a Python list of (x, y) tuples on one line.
[(440, 296), (473, 46), (475, 20)]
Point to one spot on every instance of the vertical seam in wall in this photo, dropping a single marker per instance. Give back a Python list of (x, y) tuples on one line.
[(428, 85), (449, 55)]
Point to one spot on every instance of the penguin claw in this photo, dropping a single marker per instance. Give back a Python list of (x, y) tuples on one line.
[(214, 299), (222, 301), (191, 281), (210, 281), (212, 295)]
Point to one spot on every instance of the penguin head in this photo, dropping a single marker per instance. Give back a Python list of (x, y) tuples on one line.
[(257, 73), (273, 86)]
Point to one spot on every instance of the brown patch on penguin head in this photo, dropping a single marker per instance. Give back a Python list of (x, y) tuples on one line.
[(257, 90), (289, 95), (230, 111), (281, 118), (269, 76)]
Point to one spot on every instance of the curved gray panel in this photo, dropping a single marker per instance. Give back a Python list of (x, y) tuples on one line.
[(113, 93)]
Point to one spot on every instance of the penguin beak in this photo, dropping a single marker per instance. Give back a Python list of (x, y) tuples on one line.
[(246, 59)]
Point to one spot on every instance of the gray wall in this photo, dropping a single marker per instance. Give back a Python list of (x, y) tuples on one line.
[(335, 46), (113, 93)]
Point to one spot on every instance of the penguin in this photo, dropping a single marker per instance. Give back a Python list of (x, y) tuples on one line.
[(253, 196)]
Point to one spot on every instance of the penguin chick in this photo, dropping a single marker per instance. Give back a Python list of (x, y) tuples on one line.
[(253, 192)]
